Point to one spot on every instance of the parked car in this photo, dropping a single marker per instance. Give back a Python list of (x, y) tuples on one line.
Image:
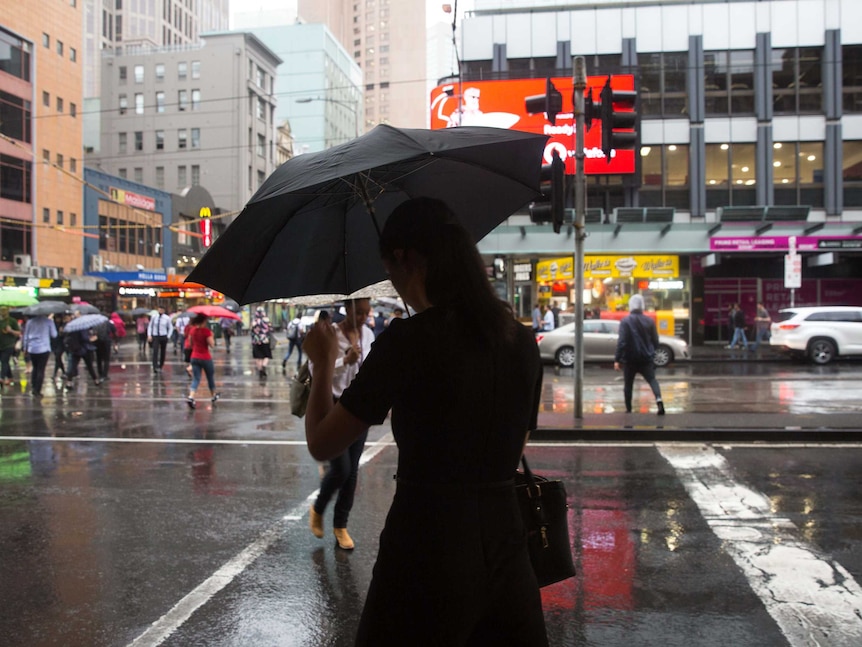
[(820, 333), (600, 344)]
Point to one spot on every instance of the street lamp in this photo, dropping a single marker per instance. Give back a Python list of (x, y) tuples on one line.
[(352, 105)]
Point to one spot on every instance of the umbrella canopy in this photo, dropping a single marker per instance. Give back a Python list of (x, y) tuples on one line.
[(13, 298), (137, 312), (214, 311), (231, 305), (84, 322), (45, 308), (84, 308), (313, 226), (374, 291)]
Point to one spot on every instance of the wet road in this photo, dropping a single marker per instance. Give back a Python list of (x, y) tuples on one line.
[(128, 519)]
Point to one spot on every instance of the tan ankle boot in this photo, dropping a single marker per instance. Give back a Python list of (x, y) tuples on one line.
[(343, 539), (315, 521)]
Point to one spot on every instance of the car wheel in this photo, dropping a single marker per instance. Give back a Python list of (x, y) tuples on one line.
[(566, 357), (663, 355), (821, 351)]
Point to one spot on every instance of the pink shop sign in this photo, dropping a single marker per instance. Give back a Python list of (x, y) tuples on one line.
[(782, 243)]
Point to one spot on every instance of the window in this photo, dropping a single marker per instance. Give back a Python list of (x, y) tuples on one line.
[(260, 77), (196, 99), (15, 117), (730, 175), (46, 214), (73, 219), (139, 174), (261, 145), (73, 56), (796, 80), (181, 176), (729, 82), (139, 103), (196, 137), (261, 176), (183, 99), (46, 40), (851, 73), (16, 56), (139, 73), (663, 84), (160, 101), (60, 160), (852, 173), (196, 174), (665, 176), (260, 108), (59, 217), (182, 138), (60, 47), (196, 69), (160, 140), (59, 104), (122, 73), (124, 104), (122, 142), (15, 178), (122, 173), (182, 70), (46, 99), (139, 140), (73, 109), (73, 165), (160, 72), (46, 156), (160, 177)]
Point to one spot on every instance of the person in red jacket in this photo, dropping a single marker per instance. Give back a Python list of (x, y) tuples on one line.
[(201, 341)]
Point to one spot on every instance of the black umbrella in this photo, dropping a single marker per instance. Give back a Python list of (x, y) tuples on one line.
[(84, 308), (313, 226), (137, 312), (45, 308)]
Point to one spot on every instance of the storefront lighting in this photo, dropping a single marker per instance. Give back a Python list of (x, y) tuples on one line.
[(724, 147), (785, 181), (739, 181), (749, 182), (672, 148), (811, 158), (645, 150), (776, 145), (745, 169), (776, 164), (712, 182)]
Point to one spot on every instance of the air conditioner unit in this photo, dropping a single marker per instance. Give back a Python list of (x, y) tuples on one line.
[(52, 272), (22, 261), (35, 272), (96, 264)]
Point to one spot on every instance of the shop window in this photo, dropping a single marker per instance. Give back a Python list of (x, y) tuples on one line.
[(730, 177), (852, 174), (851, 74), (663, 90), (797, 171), (796, 80)]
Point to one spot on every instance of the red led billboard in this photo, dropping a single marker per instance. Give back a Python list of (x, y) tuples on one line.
[(500, 104)]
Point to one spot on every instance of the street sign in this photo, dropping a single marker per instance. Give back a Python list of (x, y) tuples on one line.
[(792, 271)]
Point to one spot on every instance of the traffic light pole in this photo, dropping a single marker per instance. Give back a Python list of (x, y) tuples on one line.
[(580, 84)]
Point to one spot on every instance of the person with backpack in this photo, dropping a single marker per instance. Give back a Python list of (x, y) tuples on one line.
[(228, 331), (295, 336), (636, 346)]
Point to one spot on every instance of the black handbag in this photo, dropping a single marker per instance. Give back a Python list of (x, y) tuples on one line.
[(545, 512), (300, 389)]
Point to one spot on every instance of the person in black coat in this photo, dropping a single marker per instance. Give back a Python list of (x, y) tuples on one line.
[(635, 350)]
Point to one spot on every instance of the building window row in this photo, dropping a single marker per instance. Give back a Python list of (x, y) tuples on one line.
[(60, 103), (159, 140), (160, 102), (60, 217), (138, 71), (60, 46), (128, 237)]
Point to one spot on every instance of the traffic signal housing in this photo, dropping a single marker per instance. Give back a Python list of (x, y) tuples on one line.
[(551, 103), (618, 126), (553, 203)]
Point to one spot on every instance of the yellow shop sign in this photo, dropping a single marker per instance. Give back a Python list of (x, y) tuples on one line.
[(650, 266)]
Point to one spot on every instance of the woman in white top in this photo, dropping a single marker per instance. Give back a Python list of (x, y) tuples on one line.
[(354, 343)]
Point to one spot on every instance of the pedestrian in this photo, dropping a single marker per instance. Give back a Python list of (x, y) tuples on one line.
[(538, 320), (555, 309), (636, 344), (379, 324), (261, 350), (201, 341), (10, 333), (178, 335), (119, 332), (453, 566), (228, 331), (354, 341), (104, 335), (548, 319), (158, 332), (141, 325), (58, 348), (81, 345), (295, 335), (762, 325), (738, 328), (731, 310), (38, 335), (397, 313)]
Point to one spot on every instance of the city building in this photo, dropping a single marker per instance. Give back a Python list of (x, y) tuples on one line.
[(41, 145), (746, 185), (191, 115)]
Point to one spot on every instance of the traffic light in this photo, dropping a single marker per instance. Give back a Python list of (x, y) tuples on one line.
[(618, 127), (551, 208), (551, 103)]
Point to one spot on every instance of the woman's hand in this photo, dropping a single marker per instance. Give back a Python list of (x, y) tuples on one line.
[(321, 344)]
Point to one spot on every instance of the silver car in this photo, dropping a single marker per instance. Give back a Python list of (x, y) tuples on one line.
[(600, 344)]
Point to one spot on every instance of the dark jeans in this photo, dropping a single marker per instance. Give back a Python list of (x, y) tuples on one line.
[(5, 358), (205, 365), (227, 336), (647, 369), (59, 366), (160, 346), (341, 476), (103, 357), (291, 344), (88, 362), (37, 376)]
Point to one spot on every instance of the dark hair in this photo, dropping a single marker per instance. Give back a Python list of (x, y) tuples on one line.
[(455, 274), (199, 319)]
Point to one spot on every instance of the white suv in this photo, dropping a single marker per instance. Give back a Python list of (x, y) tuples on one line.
[(820, 333)]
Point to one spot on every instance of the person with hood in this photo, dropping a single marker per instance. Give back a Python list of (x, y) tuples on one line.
[(636, 347), (119, 331), (261, 351)]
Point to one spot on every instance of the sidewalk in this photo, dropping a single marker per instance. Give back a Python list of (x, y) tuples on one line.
[(712, 352)]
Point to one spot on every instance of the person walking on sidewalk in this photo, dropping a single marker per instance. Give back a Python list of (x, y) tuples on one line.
[(295, 335), (10, 333), (201, 339), (636, 346), (762, 324), (38, 335), (738, 328), (261, 350), (354, 343), (158, 332), (453, 566)]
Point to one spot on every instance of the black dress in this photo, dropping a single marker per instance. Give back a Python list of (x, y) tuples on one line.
[(453, 568)]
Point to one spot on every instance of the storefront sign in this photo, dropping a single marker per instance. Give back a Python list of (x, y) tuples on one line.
[(601, 267), (42, 284), (206, 226), (136, 292), (523, 271), (782, 243), (133, 199)]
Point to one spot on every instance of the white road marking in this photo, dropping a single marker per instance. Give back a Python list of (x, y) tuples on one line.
[(204, 592), (812, 598)]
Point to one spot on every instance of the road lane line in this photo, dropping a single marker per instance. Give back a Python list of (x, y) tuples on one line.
[(162, 628), (813, 599)]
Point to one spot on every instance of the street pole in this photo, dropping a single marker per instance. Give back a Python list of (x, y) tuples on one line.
[(580, 84)]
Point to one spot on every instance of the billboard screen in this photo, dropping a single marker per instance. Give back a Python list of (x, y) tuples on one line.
[(501, 104)]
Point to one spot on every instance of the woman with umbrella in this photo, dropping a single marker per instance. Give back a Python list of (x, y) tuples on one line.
[(79, 339), (200, 339), (10, 333), (454, 544)]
